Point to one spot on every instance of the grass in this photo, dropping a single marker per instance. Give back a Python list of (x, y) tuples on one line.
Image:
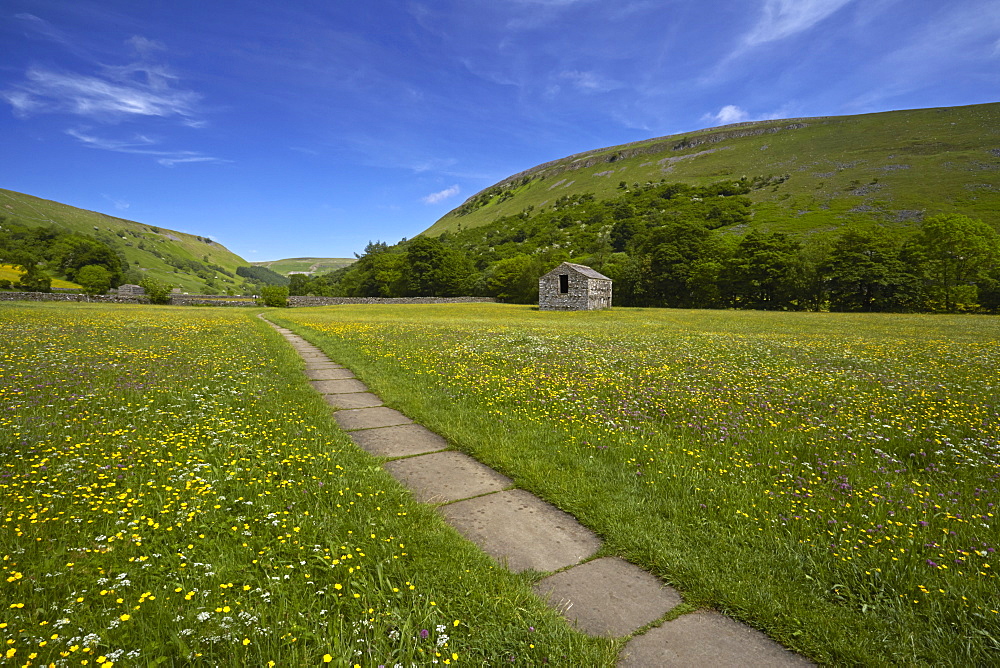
[(889, 168), (173, 492), (830, 479), (13, 274)]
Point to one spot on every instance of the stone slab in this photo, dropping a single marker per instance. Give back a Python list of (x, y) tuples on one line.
[(352, 400), (314, 357), (370, 418), (446, 476), (329, 374), (706, 639), (401, 441), (522, 531), (608, 597), (324, 364), (339, 386)]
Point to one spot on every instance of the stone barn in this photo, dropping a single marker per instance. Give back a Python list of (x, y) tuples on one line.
[(573, 287)]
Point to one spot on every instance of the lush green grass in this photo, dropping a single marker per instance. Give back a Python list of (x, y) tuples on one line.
[(173, 492), (313, 265), (830, 479), (139, 243), (884, 167)]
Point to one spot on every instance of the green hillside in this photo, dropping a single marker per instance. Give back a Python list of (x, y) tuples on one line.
[(894, 168), (192, 263), (306, 265)]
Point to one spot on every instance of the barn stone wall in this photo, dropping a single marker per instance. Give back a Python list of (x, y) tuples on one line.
[(584, 293), (599, 295)]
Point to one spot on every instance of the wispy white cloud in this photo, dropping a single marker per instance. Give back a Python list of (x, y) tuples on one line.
[(100, 98), (729, 114), (778, 20), (956, 41), (118, 203), (590, 82), (142, 145), (131, 146), (734, 114), (422, 165), (40, 26), (784, 18), (189, 156), (552, 3), (144, 46), (440, 196), (142, 87)]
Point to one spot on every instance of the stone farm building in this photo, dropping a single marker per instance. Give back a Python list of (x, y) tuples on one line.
[(573, 287)]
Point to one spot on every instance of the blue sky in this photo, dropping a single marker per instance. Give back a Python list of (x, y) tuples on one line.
[(309, 127)]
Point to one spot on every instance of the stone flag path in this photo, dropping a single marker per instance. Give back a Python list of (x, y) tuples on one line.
[(601, 597)]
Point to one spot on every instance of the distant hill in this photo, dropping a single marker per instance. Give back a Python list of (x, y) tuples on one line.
[(892, 168), (192, 263), (306, 265)]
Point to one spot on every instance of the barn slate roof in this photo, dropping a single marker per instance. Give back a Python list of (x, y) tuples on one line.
[(581, 269)]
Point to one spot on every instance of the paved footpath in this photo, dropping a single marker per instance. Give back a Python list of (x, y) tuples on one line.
[(601, 597)]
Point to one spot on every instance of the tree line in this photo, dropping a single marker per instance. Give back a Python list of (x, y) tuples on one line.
[(677, 245)]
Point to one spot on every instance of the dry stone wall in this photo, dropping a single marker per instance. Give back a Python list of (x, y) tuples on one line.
[(216, 300), (71, 297), (334, 301)]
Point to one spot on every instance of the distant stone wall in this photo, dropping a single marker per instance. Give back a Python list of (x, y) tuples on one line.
[(178, 300), (219, 300), (212, 300), (337, 301), (71, 297), (585, 294)]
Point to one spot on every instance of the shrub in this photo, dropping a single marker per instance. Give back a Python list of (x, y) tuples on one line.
[(94, 278), (157, 291), (273, 295)]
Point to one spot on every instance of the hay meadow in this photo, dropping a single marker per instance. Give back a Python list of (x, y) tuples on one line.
[(173, 492), (831, 479)]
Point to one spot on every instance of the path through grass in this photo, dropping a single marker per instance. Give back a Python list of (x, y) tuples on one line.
[(830, 479)]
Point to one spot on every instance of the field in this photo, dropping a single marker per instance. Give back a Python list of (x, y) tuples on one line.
[(173, 492), (312, 265), (830, 479), (13, 274)]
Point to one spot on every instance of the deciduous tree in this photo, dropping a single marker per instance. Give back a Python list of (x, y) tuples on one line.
[(94, 278), (956, 252)]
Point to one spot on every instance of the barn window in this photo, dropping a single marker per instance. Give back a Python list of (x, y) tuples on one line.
[(563, 284)]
